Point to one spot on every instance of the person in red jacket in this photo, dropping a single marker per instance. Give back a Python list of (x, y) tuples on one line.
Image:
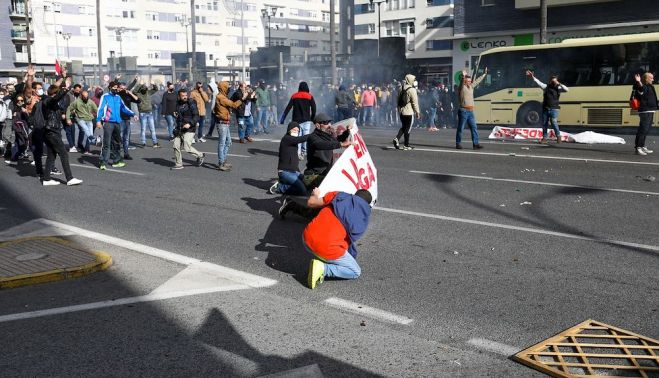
[(304, 111)]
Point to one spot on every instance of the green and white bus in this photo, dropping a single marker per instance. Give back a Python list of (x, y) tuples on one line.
[(599, 73)]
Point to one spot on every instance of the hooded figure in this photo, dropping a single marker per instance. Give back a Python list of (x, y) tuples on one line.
[(304, 111), (222, 113)]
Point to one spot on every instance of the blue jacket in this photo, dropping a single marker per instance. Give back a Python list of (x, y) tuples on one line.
[(353, 212), (110, 109)]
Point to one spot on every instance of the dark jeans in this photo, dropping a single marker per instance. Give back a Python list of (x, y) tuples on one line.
[(406, 121), (643, 128), (212, 126), (303, 210), (70, 134), (344, 113), (37, 150), (53, 140), (111, 143), (200, 127)]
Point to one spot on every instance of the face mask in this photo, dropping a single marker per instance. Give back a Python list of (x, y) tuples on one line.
[(85, 99), (76, 95), (294, 133), (40, 92), (114, 91), (416, 83)]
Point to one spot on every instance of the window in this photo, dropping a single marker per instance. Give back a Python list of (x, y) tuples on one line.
[(361, 9), (487, 3), (435, 3), (151, 16), (407, 28), (364, 29), (434, 45), (439, 22)]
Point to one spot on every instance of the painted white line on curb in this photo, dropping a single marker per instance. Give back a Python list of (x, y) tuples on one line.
[(109, 169), (116, 302), (621, 243), (371, 312), (494, 347), (516, 155), (538, 183)]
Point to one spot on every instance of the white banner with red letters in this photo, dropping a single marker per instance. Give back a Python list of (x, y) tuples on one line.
[(354, 169), (528, 133)]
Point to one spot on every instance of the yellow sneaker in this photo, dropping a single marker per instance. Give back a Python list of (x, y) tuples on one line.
[(316, 273)]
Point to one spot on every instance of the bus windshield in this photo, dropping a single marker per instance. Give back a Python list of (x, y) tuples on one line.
[(599, 65)]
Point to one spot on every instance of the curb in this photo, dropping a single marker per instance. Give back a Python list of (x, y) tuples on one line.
[(102, 262)]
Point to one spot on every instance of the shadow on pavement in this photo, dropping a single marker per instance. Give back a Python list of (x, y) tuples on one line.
[(141, 339), (260, 184), (282, 240), (258, 151)]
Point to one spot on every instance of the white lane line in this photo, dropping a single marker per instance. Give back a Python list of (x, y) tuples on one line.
[(234, 275), (116, 302), (448, 151), (371, 312), (493, 346), (267, 140), (653, 248), (109, 169), (538, 183)]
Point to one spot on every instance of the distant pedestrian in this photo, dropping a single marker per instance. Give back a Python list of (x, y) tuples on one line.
[(245, 112), (466, 112), (369, 103), (345, 103), (168, 107), (304, 111), (187, 117), (550, 104), (646, 94), (264, 106), (408, 107), (109, 118), (200, 97)]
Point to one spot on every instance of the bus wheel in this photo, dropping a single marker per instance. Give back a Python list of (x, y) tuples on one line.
[(530, 114)]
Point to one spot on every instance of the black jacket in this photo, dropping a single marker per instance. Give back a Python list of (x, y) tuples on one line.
[(320, 151), (52, 110), (344, 100), (168, 105), (303, 105), (288, 158), (238, 95), (128, 100), (647, 95), (186, 112)]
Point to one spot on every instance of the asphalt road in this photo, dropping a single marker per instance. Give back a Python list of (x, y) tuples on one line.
[(470, 257)]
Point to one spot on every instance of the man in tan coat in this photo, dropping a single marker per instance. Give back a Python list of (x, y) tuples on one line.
[(222, 114), (466, 111), (408, 107), (200, 97)]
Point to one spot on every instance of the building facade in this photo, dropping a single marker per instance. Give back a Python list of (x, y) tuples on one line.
[(426, 25), (484, 24), (150, 31)]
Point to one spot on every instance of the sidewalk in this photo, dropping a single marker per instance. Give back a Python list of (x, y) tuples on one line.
[(34, 260)]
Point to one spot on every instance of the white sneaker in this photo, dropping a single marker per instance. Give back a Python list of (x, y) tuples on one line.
[(74, 181), (640, 151), (645, 149), (274, 188), (73, 149), (202, 140), (51, 182)]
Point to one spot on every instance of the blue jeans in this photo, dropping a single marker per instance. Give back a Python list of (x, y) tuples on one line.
[(156, 115), (550, 116), (70, 132), (433, 116), (200, 126), (345, 267), (291, 183), (466, 117), (171, 121), (87, 129), (367, 115), (125, 134), (305, 128), (262, 119), (245, 126), (223, 142), (146, 119)]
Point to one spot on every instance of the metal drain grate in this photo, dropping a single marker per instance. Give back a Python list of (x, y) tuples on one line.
[(594, 349)]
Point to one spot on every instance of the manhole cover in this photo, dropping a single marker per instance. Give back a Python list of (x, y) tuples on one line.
[(594, 349)]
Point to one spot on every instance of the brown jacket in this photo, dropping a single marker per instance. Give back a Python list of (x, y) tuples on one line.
[(223, 105), (200, 98)]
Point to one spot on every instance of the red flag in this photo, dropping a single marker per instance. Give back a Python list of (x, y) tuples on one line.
[(58, 68)]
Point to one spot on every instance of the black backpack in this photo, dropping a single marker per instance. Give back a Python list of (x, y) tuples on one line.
[(36, 119), (403, 99)]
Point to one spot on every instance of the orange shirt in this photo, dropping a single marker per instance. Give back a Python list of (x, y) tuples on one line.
[(325, 235)]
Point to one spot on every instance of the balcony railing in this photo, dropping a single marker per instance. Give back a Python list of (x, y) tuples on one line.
[(20, 34)]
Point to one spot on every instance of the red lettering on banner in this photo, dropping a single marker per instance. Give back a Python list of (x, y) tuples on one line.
[(362, 178), (360, 147)]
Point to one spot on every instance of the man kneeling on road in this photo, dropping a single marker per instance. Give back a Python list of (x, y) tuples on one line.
[(332, 234)]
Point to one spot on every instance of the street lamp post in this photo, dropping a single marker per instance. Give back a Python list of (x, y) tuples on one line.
[(265, 14), (120, 31), (185, 21), (378, 2), (66, 37)]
